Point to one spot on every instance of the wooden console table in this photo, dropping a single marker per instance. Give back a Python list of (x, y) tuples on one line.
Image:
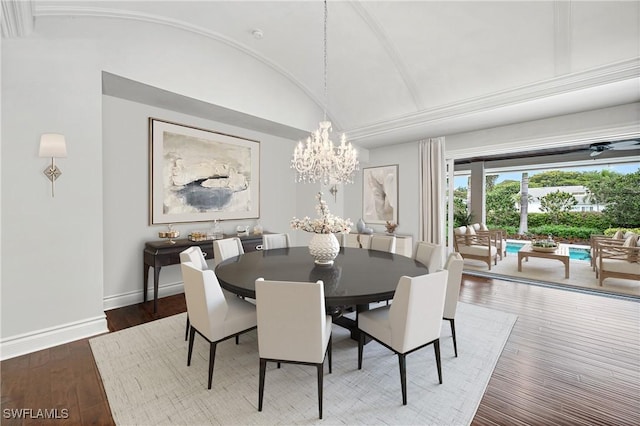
[(162, 253)]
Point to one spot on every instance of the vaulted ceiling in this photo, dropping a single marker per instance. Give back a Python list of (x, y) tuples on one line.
[(400, 71)]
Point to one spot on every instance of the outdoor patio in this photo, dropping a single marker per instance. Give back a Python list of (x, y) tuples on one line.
[(552, 271)]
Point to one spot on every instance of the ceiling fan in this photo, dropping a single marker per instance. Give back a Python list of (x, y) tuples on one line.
[(600, 147)]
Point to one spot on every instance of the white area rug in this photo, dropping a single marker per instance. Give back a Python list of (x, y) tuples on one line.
[(145, 374)]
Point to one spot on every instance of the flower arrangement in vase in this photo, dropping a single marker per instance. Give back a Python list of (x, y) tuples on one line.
[(324, 246), (391, 227), (547, 245)]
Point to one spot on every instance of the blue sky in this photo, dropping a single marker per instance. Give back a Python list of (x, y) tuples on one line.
[(461, 181)]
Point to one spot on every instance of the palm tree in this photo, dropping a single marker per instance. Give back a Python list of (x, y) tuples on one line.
[(524, 203)]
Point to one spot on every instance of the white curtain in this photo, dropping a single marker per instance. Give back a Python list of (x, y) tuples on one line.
[(432, 190)]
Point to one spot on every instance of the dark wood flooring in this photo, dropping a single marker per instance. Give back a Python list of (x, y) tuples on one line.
[(571, 359)]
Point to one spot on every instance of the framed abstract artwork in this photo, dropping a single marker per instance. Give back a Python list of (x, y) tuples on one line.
[(380, 194), (201, 175)]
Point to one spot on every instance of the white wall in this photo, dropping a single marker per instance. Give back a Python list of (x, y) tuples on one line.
[(55, 250), (126, 204), (52, 247), (408, 160)]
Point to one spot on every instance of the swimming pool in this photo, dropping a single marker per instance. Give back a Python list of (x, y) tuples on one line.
[(574, 252)]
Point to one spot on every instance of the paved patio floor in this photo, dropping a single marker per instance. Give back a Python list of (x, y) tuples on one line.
[(549, 270)]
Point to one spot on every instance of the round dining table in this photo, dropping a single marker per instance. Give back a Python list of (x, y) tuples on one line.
[(356, 278)]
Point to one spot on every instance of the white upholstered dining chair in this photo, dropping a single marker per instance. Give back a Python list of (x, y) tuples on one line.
[(430, 255), (356, 240), (275, 241), (383, 243), (293, 327), (411, 322), (226, 248), (454, 266), (194, 255), (213, 316)]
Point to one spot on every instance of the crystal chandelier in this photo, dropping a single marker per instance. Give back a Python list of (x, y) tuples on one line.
[(318, 159)]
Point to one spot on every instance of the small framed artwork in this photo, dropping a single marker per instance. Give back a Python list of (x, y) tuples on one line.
[(201, 175), (380, 194)]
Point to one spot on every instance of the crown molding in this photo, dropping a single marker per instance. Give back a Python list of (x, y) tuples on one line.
[(589, 79), (17, 18)]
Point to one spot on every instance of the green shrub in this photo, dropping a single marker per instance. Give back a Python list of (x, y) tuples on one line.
[(535, 219), (562, 231), (596, 220), (610, 231), (503, 219), (510, 230)]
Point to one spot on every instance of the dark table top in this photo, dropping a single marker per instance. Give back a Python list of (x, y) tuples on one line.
[(358, 276)]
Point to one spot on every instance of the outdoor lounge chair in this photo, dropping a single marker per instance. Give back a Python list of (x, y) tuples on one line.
[(618, 261), (472, 245), (617, 239), (498, 235)]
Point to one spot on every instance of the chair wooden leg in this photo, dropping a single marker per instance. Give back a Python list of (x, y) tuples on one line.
[(186, 332), (237, 339), (263, 369), (212, 358), (452, 322), (436, 349), (330, 345), (360, 348), (320, 377), (192, 335), (402, 361), (278, 365)]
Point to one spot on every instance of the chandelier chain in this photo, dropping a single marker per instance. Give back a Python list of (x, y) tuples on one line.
[(317, 159), (326, 62)]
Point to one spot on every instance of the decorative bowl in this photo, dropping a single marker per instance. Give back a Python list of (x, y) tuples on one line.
[(169, 234), (544, 249)]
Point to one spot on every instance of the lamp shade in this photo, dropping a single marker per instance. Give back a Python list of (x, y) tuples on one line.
[(53, 145)]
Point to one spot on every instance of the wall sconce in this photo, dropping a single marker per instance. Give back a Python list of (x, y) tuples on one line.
[(334, 191), (52, 145)]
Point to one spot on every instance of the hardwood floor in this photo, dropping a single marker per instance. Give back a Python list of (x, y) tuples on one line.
[(571, 359)]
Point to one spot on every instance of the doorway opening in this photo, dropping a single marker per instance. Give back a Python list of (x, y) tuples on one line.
[(547, 197)]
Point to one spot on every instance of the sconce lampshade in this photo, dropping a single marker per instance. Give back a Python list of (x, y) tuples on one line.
[(53, 145)]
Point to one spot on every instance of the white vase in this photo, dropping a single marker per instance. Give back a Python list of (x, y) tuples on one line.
[(324, 248)]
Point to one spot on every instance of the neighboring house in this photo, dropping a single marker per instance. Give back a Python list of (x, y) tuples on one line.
[(579, 192)]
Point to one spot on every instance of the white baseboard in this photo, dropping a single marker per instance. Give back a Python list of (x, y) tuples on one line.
[(46, 338), (134, 297)]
